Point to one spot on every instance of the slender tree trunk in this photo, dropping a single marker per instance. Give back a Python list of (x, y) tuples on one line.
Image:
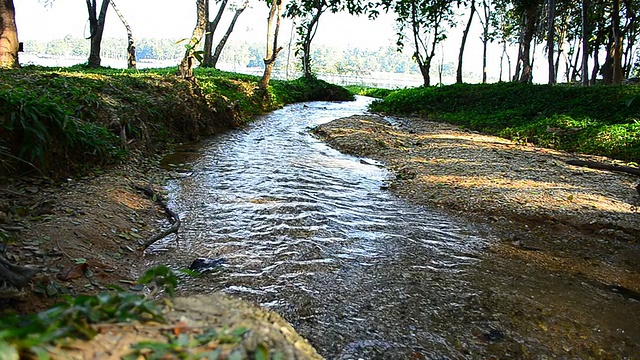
[(131, 46), (185, 69), (9, 44), (273, 27), (485, 40), (574, 70), (464, 41), (311, 29), (210, 31), (223, 41), (519, 62), (551, 4), (585, 43), (96, 28), (596, 63), (293, 24), (617, 43), (631, 33), (504, 50)]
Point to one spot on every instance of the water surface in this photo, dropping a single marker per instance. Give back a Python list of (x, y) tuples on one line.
[(308, 232)]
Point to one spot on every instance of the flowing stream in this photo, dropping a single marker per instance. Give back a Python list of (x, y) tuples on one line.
[(311, 234)]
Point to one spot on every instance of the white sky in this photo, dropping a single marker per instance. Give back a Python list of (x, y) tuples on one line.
[(165, 19)]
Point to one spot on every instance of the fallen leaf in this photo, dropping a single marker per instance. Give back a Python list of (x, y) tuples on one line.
[(74, 271)]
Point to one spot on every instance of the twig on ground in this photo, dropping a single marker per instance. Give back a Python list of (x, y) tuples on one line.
[(173, 218)]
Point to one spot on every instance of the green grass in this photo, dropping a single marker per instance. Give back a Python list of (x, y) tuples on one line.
[(601, 120), (65, 120)]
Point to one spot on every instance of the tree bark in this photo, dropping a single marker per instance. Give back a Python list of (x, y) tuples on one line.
[(9, 44), (185, 69), (551, 4), (223, 41), (464, 41), (617, 43), (585, 43), (524, 55), (96, 28), (311, 28), (131, 46), (596, 63), (211, 30), (273, 27), (485, 40)]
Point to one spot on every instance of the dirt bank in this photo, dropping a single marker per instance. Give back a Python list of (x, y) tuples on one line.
[(561, 274), (97, 219)]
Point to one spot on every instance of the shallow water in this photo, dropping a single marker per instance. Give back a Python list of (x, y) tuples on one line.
[(307, 231)]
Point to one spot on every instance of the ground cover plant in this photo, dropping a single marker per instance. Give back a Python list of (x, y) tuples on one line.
[(600, 120)]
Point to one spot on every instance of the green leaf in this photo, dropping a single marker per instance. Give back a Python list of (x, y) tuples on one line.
[(262, 352), (8, 352)]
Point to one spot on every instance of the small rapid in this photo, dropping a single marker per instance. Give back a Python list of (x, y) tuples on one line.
[(308, 232)]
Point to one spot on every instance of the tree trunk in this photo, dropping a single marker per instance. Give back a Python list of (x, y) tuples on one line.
[(504, 51), (131, 47), (311, 28), (485, 41), (596, 63), (574, 67), (551, 4), (529, 30), (464, 41), (585, 43), (631, 33), (616, 43), (185, 69), (96, 28), (211, 29), (8, 35), (223, 41), (273, 27)]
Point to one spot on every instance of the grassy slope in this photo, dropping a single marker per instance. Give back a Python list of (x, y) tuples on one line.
[(73, 118), (602, 120)]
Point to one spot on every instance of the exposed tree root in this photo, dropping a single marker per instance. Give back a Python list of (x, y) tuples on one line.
[(14, 277), (173, 218), (603, 166), (611, 167)]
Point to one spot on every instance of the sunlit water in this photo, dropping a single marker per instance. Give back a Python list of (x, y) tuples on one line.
[(307, 232)]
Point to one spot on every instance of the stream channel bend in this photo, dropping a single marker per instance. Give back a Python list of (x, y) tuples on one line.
[(308, 232)]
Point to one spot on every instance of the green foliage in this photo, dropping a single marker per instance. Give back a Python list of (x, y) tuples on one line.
[(369, 91), (35, 120), (184, 346), (162, 277), (596, 120), (72, 318), (309, 89)]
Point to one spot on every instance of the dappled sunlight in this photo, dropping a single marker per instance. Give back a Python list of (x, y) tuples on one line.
[(540, 194), (128, 199)]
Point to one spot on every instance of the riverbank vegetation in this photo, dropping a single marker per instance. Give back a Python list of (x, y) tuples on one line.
[(56, 121), (599, 120)]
